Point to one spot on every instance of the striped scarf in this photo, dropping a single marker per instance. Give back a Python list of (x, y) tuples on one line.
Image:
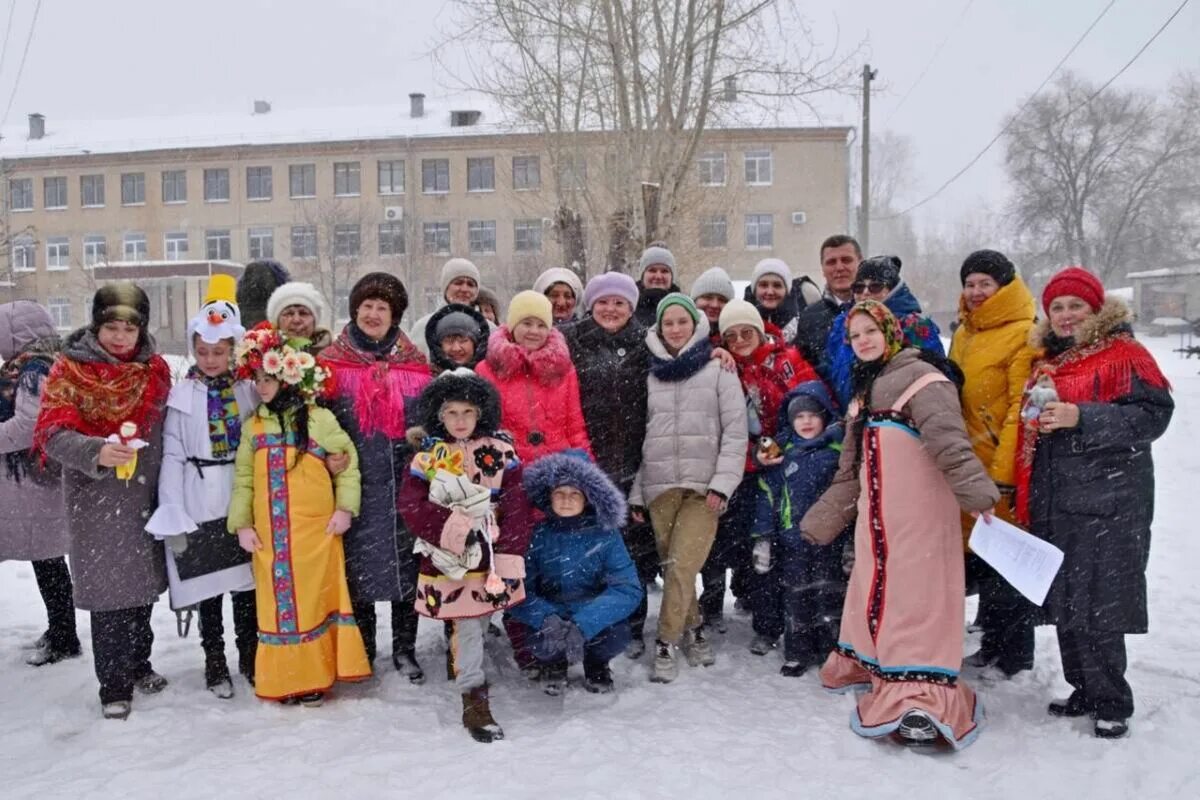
[(224, 421)]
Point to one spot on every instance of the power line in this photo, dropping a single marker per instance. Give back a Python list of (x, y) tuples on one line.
[(1011, 120), (21, 66), (12, 12), (937, 51)]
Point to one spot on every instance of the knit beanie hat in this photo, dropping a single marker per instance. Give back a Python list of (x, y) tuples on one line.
[(893, 335), (713, 281), (123, 301), (991, 263), (254, 288), (771, 266), (806, 402), (559, 275), (380, 286), (740, 312), (488, 298), (885, 269), (656, 255), (295, 294), (528, 304), (1075, 281), (456, 323), (611, 284), (676, 299), (458, 268)]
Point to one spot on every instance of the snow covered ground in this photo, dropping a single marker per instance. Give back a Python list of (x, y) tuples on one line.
[(737, 727)]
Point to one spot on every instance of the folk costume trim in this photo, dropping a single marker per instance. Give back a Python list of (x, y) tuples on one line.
[(303, 637), (901, 673)]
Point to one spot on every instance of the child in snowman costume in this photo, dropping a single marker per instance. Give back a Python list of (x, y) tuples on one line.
[(201, 433)]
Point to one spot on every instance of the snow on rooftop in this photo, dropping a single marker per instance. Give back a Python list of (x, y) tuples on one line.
[(1165, 272)]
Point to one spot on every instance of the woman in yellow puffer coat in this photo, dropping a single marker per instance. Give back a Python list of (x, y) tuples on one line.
[(991, 346)]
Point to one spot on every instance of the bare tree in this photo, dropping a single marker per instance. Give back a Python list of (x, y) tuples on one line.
[(340, 227), (625, 90), (1106, 178), (893, 176)]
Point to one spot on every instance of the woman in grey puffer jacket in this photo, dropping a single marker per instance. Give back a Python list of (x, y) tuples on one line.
[(692, 460)]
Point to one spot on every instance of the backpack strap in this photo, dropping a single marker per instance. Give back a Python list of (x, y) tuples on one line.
[(916, 386)]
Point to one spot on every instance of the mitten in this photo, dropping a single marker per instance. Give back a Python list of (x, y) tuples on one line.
[(549, 642), (573, 643)]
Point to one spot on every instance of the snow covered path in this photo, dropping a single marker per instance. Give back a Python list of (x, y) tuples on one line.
[(735, 728)]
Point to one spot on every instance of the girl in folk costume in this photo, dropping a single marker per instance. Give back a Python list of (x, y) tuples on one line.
[(380, 375), (464, 501), (104, 399), (35, 527), (908, 463), (201, 434), (289, 513), (1096, 400)]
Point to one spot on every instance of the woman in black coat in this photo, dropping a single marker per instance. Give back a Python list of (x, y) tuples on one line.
[(1096, 399)]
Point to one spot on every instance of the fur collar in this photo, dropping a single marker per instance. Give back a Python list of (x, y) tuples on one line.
[(547, 365), (1111, 317)]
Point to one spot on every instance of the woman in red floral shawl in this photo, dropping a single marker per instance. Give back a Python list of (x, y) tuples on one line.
[(1095, 401), (101, 418)]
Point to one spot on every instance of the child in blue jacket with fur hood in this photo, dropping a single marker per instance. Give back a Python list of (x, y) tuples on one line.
[(799, 589), (580, 583)]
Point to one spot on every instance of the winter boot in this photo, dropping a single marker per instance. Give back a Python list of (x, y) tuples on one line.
[(761, 645), (665, 668), (150, 683), (312, 699), (405, 661), (793, 669), (38, 643), (716, 622), (47, 654), (698, 649), (1111, 728), (1073, 706), (597, 678), (216, 675), (917, 730), (118, 709), (635, 649), (554, 678), (477, 716)]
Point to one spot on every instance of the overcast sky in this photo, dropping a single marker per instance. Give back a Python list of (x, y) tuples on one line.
[(136, 57)]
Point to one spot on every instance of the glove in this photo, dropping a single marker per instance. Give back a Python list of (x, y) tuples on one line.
[(761, 556), (550, 641), (573, 645)]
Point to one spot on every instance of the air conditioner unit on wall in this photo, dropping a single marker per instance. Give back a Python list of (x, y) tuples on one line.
[(799, 218), (393, 213)]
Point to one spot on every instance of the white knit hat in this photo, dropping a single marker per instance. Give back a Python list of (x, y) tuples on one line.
[(772, 266), (713, 281), (559, 275), (458, 268), (294, 293), (740, 312)]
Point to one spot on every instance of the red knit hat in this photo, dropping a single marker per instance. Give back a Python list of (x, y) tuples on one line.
[(1075, 281)]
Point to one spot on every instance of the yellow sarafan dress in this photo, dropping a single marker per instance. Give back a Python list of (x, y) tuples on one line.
[(307, 635)]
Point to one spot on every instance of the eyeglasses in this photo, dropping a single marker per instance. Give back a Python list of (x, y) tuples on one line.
[(746, 335), (874, 287)]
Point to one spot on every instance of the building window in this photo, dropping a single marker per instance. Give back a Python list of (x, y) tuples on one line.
[(760, 231), (391, 177), (259, 183), (758, 167), (133, 188), (135, 246), (572, 174), (218, 245), (91, 191), (20, 194), (481, 236), (481, 174), (304, 241), (712, 169), (347, 181), (437, 237), (391, 238), (60, 312), (95, 249), (24, 254), (174, 186), (216, 186), (713, 231), (262, 243), (527, 172), (175, 246), (527, 236), (347, 240), (435, 175), (302, 180), (58, 253), (55, 192)]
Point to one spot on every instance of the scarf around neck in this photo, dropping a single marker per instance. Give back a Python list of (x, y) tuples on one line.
[(224, 417)]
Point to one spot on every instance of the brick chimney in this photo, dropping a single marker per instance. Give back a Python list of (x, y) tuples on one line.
[(37, 126), (416, 105), (262, 107)]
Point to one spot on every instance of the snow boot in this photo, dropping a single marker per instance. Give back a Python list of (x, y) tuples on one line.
[(41, 656), (39, 643), (761, 645), (1073, 706), (150, 683), (635, 649), (665, 668), (216, 675), (1111, 728), (597, 678), (917, 729), (717, 623), (793, 669), (477, 716), (405, 661), (554, 678), (698, 649), (312, 699), (118, 709)]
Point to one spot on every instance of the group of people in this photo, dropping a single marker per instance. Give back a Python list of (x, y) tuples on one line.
[(817, 448)]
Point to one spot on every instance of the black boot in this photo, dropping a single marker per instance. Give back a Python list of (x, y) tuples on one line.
[(245, 627), (554, 678), (597, 677), (404, 642), (60, 640), (364, 615)]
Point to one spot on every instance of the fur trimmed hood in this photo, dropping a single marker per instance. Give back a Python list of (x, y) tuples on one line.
[(548, 364), (1112, 316), (572, 468), (462, 385), (480, 336)]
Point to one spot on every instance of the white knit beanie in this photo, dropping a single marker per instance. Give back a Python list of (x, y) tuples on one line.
[(656, 255), (713, 281), (771, 266), (295, 293), (559, 275), (458, 268), (740, 312)]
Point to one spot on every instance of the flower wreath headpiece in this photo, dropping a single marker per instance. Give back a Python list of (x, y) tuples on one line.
[(264, 347)]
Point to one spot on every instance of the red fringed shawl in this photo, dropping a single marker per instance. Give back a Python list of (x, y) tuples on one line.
[(1100, 372), (377, 387)]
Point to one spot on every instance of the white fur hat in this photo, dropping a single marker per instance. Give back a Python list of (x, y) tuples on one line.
[(294, 293)]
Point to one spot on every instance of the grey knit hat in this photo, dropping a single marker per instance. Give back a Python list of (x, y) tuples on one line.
[(656, 255), (713, 281), (456, 323)]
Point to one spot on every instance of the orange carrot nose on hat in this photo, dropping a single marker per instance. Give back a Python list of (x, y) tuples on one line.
[(1077, 282)]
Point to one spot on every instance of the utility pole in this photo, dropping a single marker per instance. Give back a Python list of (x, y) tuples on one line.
[(864, 211)]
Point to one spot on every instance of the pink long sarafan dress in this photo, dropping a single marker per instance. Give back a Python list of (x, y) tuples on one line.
[(901, 636)]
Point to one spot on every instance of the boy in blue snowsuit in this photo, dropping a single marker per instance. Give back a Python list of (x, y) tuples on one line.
[(580, 583), (800, 587)]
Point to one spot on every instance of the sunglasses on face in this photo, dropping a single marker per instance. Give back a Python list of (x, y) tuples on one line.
[(862, 287), (747, 335)]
